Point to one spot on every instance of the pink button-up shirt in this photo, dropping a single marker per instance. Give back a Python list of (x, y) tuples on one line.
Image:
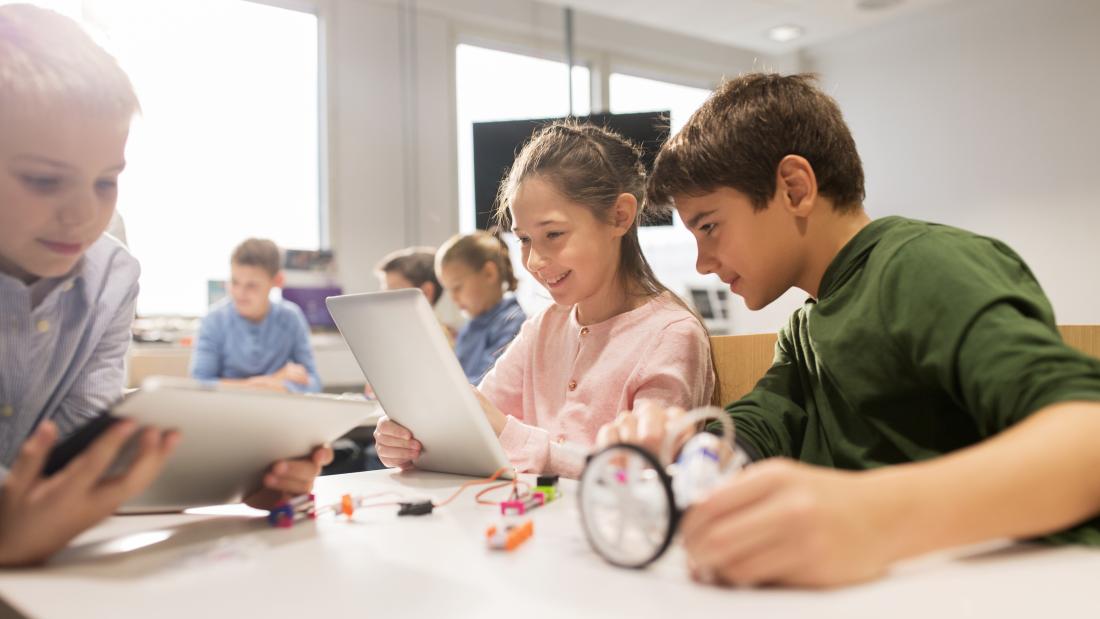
[(560, 381)]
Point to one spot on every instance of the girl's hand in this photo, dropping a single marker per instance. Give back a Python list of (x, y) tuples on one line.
[(287, 479), (785, 523), (40, 515), (496, 418), (395, 444), (646, 426)]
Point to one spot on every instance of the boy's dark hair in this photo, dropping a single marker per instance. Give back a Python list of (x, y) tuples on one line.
[(260, 253), (742, 132), (416, 264)]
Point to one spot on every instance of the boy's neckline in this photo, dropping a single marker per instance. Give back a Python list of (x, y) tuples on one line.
[(847, 258), (260, 321)]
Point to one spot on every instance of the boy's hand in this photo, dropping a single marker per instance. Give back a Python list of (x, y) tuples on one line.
[(271, 382), (293, 372), (647, 426), (40, 515), (395, 444), (287, 479), (785, 523)]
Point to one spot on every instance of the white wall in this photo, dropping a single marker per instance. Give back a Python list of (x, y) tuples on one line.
[(984, 114), (392, 146)]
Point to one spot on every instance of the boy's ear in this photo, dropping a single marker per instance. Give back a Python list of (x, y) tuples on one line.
[(428, 288), (624, 211), (278, 280), (796, 184), (490, 270)]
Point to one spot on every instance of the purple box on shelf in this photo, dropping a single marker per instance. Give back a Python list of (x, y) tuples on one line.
[(312, 302)]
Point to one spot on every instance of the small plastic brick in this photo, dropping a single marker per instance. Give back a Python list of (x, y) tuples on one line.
[(547, 480), (419, 508), (282, 516), (521, 507), (347, 506), (509, 537), (516, 506), (549, 493)]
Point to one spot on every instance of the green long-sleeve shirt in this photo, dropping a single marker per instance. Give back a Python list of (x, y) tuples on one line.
[(924, 339)]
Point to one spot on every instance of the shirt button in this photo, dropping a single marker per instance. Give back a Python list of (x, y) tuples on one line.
[(7, 411), (43, 326), (584, 330), (67, 286), (572, 385)]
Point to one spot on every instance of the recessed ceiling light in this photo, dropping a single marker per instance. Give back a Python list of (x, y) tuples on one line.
[(875, 5), (788, 32)]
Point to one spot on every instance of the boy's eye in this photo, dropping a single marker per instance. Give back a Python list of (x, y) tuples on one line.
[(41, 183), (523, 240), (554, 235), (707, 228), (107, 185)]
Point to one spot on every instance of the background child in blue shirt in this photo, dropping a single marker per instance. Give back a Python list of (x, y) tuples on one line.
[(67, 292), (475, 270), (251, 340)]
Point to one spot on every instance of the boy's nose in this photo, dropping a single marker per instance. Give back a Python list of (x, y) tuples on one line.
[(78, 209), (706, 264)]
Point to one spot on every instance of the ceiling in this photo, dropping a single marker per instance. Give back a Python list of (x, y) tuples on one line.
[(745, 23)]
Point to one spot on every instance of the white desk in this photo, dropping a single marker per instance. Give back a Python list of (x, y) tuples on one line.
[(438, 565), (336, 366)]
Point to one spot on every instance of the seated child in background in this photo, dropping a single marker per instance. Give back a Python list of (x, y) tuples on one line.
[(413, 267), (923, 388), (251, 340), (475, 270), (67, 291), (615, 336)]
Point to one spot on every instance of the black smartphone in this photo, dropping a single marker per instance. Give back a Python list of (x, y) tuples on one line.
[(74, 444)]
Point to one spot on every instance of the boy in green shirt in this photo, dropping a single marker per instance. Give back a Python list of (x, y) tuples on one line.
[(924, 377)]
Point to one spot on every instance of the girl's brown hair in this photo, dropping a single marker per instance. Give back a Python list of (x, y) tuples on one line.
[(591, 166), (475, 251)]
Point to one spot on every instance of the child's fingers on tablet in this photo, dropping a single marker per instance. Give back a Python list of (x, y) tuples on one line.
[(288, 485), (323, 455), (388, 427), (156, 447), (385, 440), (32, 457), (392, 456), (87, 468)]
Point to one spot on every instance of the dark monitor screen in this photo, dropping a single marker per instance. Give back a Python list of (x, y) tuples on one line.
[(497, 143)]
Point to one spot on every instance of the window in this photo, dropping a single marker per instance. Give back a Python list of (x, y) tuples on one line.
[(629, 93), (227, 146), (495, 85)]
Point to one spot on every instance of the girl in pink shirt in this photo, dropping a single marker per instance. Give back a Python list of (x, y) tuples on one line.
[(614, 338)]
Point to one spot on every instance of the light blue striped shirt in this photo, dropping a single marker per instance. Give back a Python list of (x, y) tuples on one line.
[(231, 346), (63, 358)]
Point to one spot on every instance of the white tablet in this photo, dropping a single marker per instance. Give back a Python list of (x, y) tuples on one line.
[(408, 362), (230, 437)]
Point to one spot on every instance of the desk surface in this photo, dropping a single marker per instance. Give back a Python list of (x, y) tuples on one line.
[(188, 565)]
